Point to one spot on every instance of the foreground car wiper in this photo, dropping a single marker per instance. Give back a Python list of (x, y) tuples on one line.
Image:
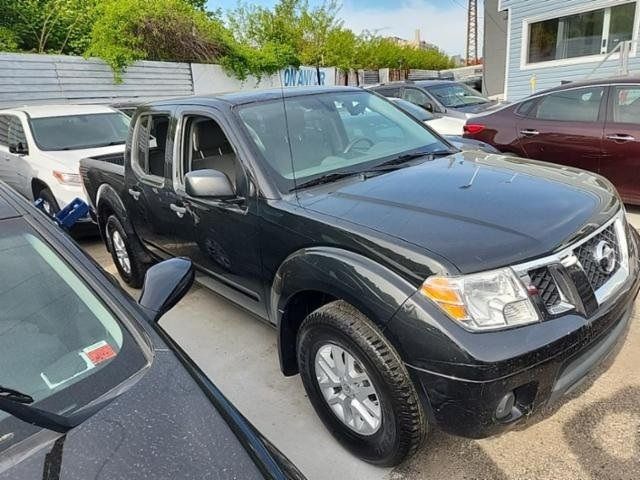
[(18, 404), (328, 178)]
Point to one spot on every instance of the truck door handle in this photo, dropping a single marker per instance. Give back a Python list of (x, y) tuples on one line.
[(180, 211), (620, 137), (529, 132), (134, 193)]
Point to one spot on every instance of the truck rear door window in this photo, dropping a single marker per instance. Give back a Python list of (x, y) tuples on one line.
[(150, 145)]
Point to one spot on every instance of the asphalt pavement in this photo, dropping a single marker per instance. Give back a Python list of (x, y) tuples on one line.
[(595, 434)]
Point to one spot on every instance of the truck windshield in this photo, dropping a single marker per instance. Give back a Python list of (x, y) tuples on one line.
[(58, 343), (314, 135), (457, 95), (77, 132)]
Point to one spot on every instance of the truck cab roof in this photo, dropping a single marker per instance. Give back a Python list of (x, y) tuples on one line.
[(251, 96)]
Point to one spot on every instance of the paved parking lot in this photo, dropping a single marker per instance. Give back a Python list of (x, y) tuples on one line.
[(595, 435)]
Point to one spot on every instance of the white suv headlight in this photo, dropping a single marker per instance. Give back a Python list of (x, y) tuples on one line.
[(483, 301), (68, 178)]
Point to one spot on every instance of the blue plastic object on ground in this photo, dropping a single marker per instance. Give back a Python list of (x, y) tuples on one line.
[(69, 215)]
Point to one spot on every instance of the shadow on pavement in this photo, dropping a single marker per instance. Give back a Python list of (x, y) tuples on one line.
[(447, 457), (612, 452)]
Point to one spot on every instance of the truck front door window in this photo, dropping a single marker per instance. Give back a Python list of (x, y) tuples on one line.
[(206, 147)]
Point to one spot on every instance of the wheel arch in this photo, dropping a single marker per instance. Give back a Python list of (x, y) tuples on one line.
[(310, 278), (37, 185), (108, 202)]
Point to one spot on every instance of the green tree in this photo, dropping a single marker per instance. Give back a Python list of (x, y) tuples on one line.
[(169, 30), (60, 26)]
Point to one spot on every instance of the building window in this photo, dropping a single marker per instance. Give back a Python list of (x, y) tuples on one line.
[(582, 34)]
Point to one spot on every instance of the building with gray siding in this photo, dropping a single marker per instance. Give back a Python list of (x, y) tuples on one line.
[(553, 41)]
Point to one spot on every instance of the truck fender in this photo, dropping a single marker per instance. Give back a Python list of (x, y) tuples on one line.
[(319, 275)]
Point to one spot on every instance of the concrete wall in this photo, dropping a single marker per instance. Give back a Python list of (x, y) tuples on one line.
[(209, 79), (523, 79), (494, 48)]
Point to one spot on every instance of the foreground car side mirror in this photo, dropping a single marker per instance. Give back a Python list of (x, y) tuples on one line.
[(164, 285), (19, 149), (208, 184)]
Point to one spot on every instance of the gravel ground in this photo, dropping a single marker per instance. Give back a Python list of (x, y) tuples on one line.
[(594, 435)]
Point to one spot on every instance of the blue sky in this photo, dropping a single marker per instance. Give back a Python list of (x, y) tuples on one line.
[(442, 22)]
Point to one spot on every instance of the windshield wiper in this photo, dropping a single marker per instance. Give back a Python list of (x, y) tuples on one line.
[(406, 157), (327, 178), (18, 404)]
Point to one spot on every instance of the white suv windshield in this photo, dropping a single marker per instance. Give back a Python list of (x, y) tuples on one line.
[(332, 132), (77, 132), (58, 343)]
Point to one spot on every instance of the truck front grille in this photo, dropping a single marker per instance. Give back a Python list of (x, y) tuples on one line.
[(585, 274), (585, 253), (547, 289)]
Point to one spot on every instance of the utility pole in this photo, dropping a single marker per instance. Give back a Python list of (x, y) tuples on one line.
[(472, 33)]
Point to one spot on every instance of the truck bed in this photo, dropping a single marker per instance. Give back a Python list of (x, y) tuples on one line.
[(102, 169)]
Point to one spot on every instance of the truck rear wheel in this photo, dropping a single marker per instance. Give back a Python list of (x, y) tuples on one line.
[(125, 254), (359, 386)]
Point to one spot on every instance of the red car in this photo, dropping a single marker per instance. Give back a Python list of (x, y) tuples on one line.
[(593, 125)]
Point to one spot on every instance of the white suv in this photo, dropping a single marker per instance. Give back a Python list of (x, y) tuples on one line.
[(41, 147)]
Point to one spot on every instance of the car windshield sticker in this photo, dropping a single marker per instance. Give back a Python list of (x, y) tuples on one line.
[(99, 352)]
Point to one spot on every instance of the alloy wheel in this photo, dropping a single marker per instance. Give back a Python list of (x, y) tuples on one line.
[(348, 390), (121, 251)]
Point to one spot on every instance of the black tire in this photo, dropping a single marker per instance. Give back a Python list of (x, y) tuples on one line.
[(403, 427), (47, 195), (134, 277)]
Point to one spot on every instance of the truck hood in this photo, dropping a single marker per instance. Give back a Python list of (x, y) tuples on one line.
[(71, 158), (479, 211)]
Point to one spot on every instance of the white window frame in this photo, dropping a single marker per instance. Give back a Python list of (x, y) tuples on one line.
[(591, 6)]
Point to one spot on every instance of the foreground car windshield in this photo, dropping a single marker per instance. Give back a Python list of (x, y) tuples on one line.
[(332, 132), (58, 343), (75, 132), (457, 95)]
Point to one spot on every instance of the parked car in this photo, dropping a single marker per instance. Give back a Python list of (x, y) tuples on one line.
[(444, 126), (441, 124), (411, 284), (443, 97), (40, 147), (90, 386), (593, 125)]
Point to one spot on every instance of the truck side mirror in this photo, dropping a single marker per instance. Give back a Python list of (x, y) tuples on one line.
[(19, 149), (208, 184), (164, 285)]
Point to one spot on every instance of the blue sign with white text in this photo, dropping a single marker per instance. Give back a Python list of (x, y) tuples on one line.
[(305, 76)]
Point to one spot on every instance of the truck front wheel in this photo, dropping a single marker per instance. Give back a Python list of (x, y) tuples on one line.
[(125, 253), (359, 385)]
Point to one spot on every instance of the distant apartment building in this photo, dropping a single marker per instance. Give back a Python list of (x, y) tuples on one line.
[(531, 45), (416, 42)]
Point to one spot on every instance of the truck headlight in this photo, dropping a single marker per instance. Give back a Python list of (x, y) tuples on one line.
[(483, 301), (68, 178)]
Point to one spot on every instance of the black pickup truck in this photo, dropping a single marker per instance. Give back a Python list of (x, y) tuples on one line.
[(411, 284)]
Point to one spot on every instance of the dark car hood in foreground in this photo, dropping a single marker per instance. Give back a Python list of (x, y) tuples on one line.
[(479, 211), (164, 427)]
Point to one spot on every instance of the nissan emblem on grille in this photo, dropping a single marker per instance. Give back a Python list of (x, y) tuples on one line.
[(605, 257)]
